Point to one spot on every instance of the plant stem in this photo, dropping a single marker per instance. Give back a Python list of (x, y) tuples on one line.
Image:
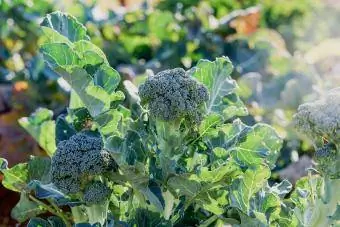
[(209, 221), (51, 210)]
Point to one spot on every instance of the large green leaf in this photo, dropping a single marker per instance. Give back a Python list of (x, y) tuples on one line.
[(216, 77), (52, 36), (268, 208), (208, 189), (109, 122), (316, 200), (249, 146), (95, 98), (40, 126), (245, 187), (25, 209), (183, 186), (107, 78), (60, 55), (85, 49), (65, 25)]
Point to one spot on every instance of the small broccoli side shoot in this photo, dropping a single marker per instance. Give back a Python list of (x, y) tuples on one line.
[(173, 95), (78, 169)]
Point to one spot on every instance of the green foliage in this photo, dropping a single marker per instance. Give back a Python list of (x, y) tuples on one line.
[(216, 77), (41, 126), (144, 164)]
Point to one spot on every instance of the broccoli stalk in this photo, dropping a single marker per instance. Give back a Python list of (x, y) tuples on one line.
[(78, 169), (176, 105)]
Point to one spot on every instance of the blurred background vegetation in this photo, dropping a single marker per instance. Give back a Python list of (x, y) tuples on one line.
[(285, 52)]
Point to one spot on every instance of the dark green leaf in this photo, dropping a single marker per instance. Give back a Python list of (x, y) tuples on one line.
[(64, 130), (39, 168), (26, 209)]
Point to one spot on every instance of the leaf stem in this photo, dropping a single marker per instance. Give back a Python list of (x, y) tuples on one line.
[(51, 210)]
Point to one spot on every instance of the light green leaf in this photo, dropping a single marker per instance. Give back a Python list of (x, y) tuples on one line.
[(52, 36), (25, 209), (94, 97), (15, 178), (216, 77), (244, 188), (84, 48), (40, 126), (249, 146), (184, 186), (60, 55), (109, 122), (66, 25), (209, 123), (107, 78)]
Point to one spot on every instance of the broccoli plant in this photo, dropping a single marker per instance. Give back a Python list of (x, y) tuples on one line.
[(174, 153), (318, 196)]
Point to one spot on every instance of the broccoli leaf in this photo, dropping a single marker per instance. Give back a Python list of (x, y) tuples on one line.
[(26, 209), (249, 146), (245, 187), (81, 63), (41, 127), (94, 97), (216, 77), (39, 168), (63, 129), (65, 25), (60, 55), (15, 178)]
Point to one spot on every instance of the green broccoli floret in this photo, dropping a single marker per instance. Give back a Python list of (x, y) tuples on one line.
[(328, 159), (77, 161), (96, 193), (320, 119), (173, 94)]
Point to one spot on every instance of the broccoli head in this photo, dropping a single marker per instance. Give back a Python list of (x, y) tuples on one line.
[(96, 192), (77, 161), (320, 119), (328, 159), (173, 94)]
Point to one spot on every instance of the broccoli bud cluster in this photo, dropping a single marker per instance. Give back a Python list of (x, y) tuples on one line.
[(96, 193), (321, 118), (328, 159), (321, 122), (173, 94), (77, 161)]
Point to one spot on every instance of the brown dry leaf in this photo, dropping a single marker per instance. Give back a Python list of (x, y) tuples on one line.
[(247, 22)]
